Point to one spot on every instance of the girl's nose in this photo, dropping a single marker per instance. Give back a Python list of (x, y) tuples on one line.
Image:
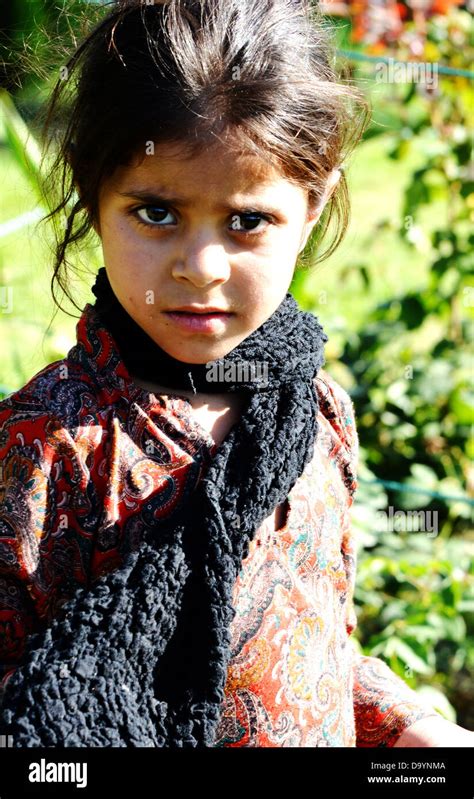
[(202, 263)]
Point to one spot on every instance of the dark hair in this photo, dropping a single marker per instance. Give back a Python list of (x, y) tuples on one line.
[(188, 71)]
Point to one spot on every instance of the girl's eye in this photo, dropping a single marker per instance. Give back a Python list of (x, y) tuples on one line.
[(156, 211), (251, 218)]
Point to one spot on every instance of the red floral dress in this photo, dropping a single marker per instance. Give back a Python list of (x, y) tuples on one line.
[(87, 456)]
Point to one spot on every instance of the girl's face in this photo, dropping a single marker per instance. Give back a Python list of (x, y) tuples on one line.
[(218, 232)]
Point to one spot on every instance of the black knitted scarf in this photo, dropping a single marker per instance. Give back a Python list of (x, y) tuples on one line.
[(139, 658)]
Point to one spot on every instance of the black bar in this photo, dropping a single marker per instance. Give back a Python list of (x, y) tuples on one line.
[(435, 772)]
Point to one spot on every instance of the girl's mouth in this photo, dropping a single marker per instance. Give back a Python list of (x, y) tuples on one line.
[(212, 322)]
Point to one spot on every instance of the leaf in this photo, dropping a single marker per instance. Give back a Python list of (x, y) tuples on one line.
[(438, 700), (409, 657)]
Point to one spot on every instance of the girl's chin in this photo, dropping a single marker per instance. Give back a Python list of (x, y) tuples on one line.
[(199, 349), (198, 355)]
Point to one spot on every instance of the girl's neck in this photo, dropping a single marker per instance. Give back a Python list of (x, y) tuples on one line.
[(196, 400), (216, 413)]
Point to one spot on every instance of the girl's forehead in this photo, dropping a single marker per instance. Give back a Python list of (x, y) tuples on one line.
[(174, 157), (220, 167)]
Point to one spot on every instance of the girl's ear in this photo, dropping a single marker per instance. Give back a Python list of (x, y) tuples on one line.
[(316, 210)]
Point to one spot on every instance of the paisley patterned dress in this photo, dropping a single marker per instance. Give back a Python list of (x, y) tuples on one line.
[(88, 457)]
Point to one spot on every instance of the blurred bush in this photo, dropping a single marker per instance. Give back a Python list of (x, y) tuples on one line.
[(411, 379)]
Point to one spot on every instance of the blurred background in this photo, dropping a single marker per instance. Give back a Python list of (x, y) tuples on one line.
[(396, 300)]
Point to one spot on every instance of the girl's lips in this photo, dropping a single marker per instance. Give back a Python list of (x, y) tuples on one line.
[(199, 322)]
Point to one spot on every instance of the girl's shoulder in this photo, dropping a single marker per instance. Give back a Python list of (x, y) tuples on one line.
[(338, 408), (72, 388), (49, 391), (42, 418), (337, 433)]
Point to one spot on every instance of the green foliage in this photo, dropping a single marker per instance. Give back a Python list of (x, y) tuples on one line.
[(411, 364), (415, 600), (21, 142), (411, 361)]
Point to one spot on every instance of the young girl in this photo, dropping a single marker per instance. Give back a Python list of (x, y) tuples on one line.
[(176, 562)]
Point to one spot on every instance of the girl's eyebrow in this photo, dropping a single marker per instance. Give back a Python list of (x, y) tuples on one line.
[(147, 196)]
